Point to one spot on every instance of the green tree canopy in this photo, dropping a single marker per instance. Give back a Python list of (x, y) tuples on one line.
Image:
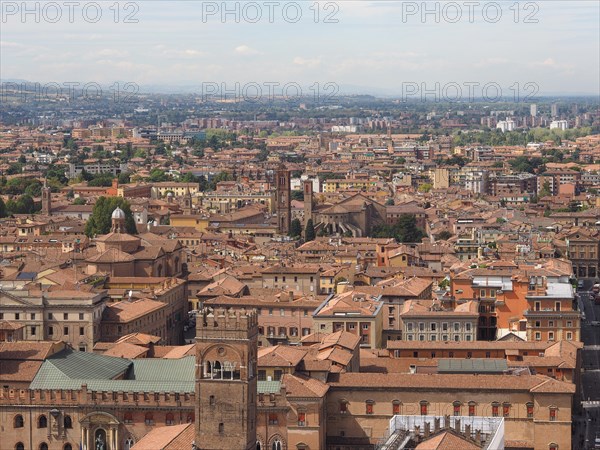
[(404, 230), (295, 228), (309, 231), (100, 221)]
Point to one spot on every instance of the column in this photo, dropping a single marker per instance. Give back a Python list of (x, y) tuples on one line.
[(83, 436)]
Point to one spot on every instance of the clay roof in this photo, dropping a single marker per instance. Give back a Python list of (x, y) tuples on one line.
[(300, 386), (280, 356), (465, 382), (447, 441), (126, 350), (126, 311), (173, 437)]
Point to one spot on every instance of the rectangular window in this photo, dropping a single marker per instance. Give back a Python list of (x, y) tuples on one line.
[(50, 331), (538, 336), (81, 331), (445, 326), (423, 409), (471, 410), (457, 410), (409, 326), (80, 316), (433, 326), (282, 312), (301, 419), (66, 331), (273, 419), (369, 408), (505, 410), (32, 316), (65, 316), (494, 410), (553, 415), (17, 316), (33, 331)]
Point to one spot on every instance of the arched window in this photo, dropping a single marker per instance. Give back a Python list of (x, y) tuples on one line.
[(149, 419), (369, 407), (43, 446), (217, 370), (276, 445), (424, 404), (258, 446), (67, 447), (471, 409), (67, 422), (495, 408), (396, 407), (170, 419), (129, 443), (19, 446), (42, 422), (456, 408), (190, 418), (18, 421), (529, 410), (553, 446)]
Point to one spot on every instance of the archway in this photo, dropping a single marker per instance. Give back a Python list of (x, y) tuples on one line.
[(100, 439)]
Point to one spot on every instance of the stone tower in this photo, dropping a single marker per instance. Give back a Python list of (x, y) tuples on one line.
[(284, 206), (187, 202), (46, 200), (226, 380), (308, 201)]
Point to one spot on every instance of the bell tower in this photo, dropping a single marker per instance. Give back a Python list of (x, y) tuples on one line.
[(284, 206), (226, 379), (308, 201), (187, 202), (46, 199)]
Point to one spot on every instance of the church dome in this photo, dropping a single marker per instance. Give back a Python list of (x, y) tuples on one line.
[(118, 214)]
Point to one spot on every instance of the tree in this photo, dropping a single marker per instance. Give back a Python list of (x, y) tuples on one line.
[(443, 236), (295, 228), (389, 202), (100, 221), (3, 212), (297, 195), (404, 230), (309, 231), (425, 187)]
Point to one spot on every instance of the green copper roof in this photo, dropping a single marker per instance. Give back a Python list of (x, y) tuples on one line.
[(268, 387), (71, 369)]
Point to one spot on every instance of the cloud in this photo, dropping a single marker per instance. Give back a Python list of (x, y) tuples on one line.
[(310, 63), (487, 62), (176, 53), (549, 62), (112, 53), (245, 50)]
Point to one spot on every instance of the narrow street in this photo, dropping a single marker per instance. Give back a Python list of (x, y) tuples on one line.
[(586, 421)]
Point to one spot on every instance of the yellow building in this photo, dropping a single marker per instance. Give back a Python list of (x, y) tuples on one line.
[(184, 220)]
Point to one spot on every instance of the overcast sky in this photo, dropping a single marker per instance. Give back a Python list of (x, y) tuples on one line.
[(373, 47)]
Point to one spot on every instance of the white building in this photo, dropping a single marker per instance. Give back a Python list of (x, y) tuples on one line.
[(559, 124), (533, 110), (507, 125)]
